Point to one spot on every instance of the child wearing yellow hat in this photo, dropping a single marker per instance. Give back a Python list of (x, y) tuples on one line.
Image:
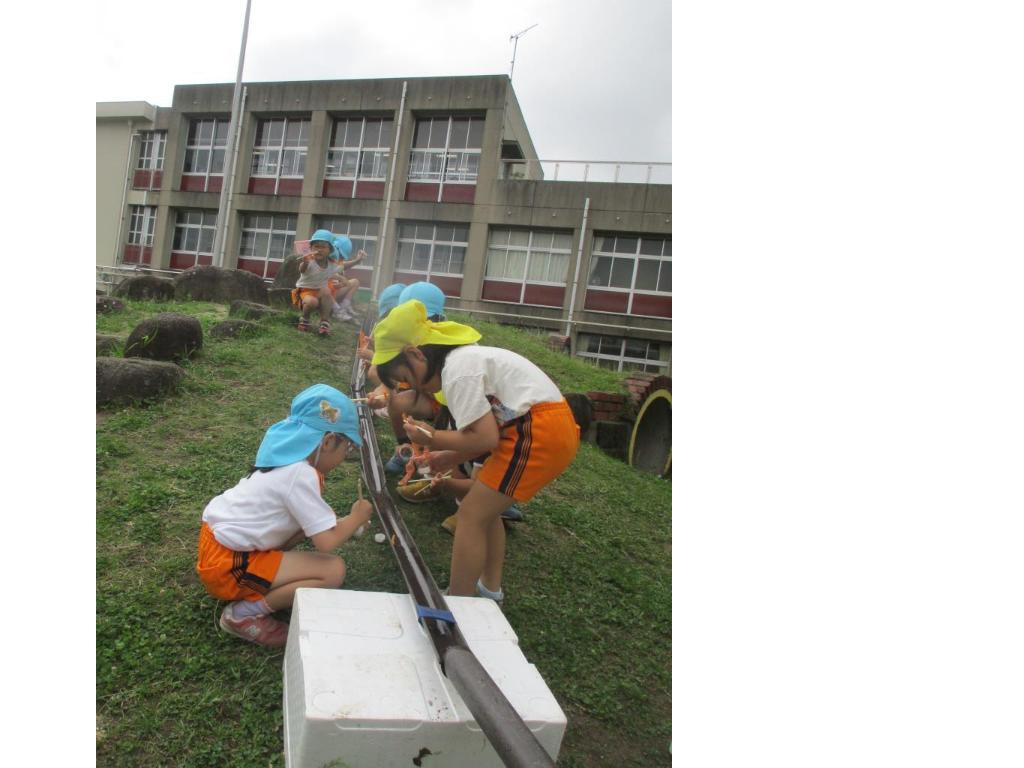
[(505, 405)]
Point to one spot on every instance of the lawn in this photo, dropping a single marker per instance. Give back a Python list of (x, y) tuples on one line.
[(587, 577)]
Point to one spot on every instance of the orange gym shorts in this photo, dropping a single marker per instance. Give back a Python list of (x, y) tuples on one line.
[(230, 575), (298, 294), (532, 451)]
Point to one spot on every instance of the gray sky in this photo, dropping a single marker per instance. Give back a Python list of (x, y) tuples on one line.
[(593, 78)]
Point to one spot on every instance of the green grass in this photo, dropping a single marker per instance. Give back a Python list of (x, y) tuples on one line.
[(587, 575)]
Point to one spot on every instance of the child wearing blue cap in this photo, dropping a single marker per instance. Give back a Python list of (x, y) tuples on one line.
[(409, 401), (344, 287), (312, 290), (248, 530)]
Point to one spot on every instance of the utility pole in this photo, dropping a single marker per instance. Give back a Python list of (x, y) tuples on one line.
[(220, 235), (515, 45)]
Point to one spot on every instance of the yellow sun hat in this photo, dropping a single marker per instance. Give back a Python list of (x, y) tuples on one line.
[(407, 325)]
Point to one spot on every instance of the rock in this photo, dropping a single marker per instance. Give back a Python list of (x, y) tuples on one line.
[(280, 298), (233, 329), (288, 273), (249, 310), (106, 304), (122, 380), (106, 344), (146, 287), (168, 336), (220, 285), (612, 437), (582, 411)]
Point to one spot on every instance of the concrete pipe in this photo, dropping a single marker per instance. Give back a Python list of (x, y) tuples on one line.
[(650, 445)]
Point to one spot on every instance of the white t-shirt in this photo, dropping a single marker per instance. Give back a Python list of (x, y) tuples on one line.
[(478, 379), (266, 509), (315, 276)]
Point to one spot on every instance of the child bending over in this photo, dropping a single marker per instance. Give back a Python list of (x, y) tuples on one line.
[(505, 405)]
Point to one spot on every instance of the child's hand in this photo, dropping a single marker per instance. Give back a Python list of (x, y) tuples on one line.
[(441, 461), (361, 511), (365, 354), (417, 431)]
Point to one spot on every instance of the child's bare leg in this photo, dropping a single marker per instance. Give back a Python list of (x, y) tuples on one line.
[(348, 289), (479, 548), (326, 302), (308, 305), (304, 569)]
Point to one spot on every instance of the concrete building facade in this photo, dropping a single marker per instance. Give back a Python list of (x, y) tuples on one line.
[(435, 178)]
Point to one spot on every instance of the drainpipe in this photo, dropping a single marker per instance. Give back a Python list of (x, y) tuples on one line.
[(231, 185), (576, 277), (118, 252), (387, 197)]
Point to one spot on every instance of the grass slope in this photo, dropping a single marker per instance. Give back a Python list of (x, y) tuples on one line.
[(587, 576)]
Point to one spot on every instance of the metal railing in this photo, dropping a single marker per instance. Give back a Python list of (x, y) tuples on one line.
[(615, 172)]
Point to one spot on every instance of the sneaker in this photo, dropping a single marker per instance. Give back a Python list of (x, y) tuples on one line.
[(262, 630), (450, 522), (396, 464), (325, 329), (341, 314), (513, 513), (303, 325)]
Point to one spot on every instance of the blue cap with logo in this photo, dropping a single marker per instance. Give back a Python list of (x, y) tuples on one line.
[(315, 410)]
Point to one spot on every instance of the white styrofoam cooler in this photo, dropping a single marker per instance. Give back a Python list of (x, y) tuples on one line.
[(363, 687)]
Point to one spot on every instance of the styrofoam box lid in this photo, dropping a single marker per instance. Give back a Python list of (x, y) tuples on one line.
[(367, 662)]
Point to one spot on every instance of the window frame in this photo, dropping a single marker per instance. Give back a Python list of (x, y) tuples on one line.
[(361, 150), (192, 149), (289, 236), (530, 250), (342, 225), (665, 257), (433, 243), (141, 224), (433, 164), (152, 149), (646, 365), (185, 227), (259, 151)]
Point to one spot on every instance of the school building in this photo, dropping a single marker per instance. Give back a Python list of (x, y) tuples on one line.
[(435, 178)]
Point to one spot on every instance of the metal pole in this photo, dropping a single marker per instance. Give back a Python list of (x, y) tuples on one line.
[(387, 197), (576, 277), (229, 173)]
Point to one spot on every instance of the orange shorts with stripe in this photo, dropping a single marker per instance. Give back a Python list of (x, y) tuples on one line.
[(230, 575), (532, 451), (298, 294)]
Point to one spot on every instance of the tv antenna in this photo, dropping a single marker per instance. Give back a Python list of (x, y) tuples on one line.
[(516, 37)]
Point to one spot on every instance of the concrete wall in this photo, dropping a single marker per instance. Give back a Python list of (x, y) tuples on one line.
[(621, 208)]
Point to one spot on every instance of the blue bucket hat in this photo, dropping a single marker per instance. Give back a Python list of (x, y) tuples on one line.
[(431, 296), (315, 410), (327, 237), (389, 298), (342, 245)]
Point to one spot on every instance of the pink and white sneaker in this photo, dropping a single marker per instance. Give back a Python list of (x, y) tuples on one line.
[(262, 630)]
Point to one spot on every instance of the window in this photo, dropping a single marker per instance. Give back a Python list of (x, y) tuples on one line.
[(432, 249), (631, 263), (266, 238), (204, 152), (360, 148), (141, 224), (362, 232), (151, 150), (446, 149), (625, 354), (194, 232), (537, 257), (280, 148)]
